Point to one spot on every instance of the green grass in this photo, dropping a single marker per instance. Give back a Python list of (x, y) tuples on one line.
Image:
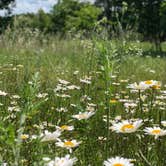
[(46, 62)]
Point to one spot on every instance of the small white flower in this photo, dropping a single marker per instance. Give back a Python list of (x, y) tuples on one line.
[(16, 97), (152, 84), (42, 95), (62, 109), (46, 159), (84, 115), (24, 136), (63, 82), (2, 93), (68, 144), (126, 126), (50, 136), (130, 105), (63, 161), (140, 86), (118, 161), (163, 123), (72, 87), (155, 131), (65, 127), (85, 81)]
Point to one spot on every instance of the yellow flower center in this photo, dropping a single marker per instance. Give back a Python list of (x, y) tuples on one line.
[(69, 144), (113, 101), (118, 164), (156, 131), (64, 127), (156, 86), (24, 137), (149, 82), (127, 126)]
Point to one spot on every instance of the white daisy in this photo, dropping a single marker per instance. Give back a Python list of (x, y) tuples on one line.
[(126, 126), (24, 136), (118, 161), (140, 86), (163, 123), (65, 127), (63, 161), (68, 144), (152, 84), (84, 115), (155, 131), (50, 136), (2, 93)]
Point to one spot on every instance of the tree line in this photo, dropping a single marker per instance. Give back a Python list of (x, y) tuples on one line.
[(146, 17)]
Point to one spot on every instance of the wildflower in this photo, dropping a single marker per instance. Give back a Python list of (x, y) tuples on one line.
[(113, 101), (63, 82), (76, 72), (85, 115), (63, 95), (48, 136), (116, 83), (124, 81), (140, 86), (65, 127), (155, 131), (113, 76), (63, 161), (14, 109), (86, 80), (2, 93), (130, 105), (92, 105), (72, 87), (152, 71), (118, 161), (62, 109), (46, 158), (153, 84), (33, 137), (126, 126), (68, 144), (20, 66), (16, 97), (85, 98), (90, 108), (24, 136), (163, 123), (42, 95)]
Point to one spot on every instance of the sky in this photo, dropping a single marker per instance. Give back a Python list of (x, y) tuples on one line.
[(32, 6)]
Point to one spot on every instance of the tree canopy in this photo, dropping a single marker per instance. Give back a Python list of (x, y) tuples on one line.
[(4, 4)]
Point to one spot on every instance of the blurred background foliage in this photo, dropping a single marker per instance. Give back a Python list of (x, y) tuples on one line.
[(131, 19)]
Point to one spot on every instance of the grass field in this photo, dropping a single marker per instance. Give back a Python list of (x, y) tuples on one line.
[(55, 91)]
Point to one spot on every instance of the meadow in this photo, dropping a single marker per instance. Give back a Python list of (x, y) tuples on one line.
[(91, 99)]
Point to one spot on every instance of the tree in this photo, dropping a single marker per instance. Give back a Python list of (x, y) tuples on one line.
[(150, 20), (4, 21), (163, 20), (4, 4), (83, 19), (147, 13), (61, 11)]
